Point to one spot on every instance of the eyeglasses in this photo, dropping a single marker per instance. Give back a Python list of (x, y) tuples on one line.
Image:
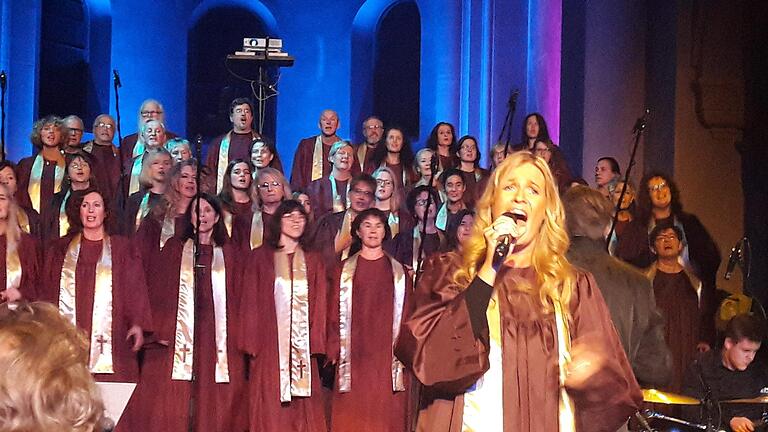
[(658, 187), (293, 216), (362, 192), (75, 130), (374, 127), (384, 182), (77, 165), (150, 113), (421, 202), (666, 237), (273, 184), (105, 125)]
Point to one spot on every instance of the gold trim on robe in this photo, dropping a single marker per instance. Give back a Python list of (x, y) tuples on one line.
[(184, 338), (143, 210), (100, 359), (63, 219), (257, 230), (137, 155), (291, 292), (362, 149), (317, 159), (13, 270), (168, 230), (338, 203), (345, 322), (345, 233), (23, 218), (36, 178), (394, 223), (228, 220)]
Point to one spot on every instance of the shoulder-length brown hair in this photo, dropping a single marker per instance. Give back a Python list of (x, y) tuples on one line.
[(38, 126)]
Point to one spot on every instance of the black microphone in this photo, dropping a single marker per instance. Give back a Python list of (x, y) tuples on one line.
[(106, 424), (513, 99), (733, 258), (116, 78), (641, 122), (504, 243), (3, 79)]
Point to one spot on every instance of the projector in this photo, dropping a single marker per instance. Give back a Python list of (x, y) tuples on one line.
[(262, 44)]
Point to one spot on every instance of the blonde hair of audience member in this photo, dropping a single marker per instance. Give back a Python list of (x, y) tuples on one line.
[(277, 175), (555, 274), (145, 176), (44, 381), (395, 199)]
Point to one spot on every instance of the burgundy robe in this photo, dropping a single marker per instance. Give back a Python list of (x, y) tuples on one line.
[(239, 148), (127, 221), (47, 184), (323, 235), (241, 229), (259, 329), (474, 187), (371, 404), (130, 306), (220, 407), (49, 227), (410, 175), (438, 343), (321, 195), (632, 244), (107, 167), (301, 173), (29, 258), (401, 247), (147, 239)]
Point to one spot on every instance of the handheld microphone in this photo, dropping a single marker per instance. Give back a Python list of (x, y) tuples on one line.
[(116, 78), (733, 258), (504, 243), (107, 424), (3, 79)]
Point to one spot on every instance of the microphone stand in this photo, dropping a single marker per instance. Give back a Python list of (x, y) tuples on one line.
[(118, 84), (433, 164), (706, 399), (509, 119), (3, 85), (198, 269), (638, 131)]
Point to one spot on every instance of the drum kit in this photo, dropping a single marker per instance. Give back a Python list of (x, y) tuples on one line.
[(654, 396)]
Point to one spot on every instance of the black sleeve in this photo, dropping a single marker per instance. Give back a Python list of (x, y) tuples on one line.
[(477, 298)]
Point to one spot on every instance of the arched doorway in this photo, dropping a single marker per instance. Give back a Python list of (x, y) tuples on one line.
[(210, 86)]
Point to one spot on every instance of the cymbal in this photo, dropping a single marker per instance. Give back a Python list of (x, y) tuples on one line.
[(757, 400), (666, 398)]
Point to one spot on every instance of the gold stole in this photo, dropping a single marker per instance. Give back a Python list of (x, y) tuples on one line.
[(338, 204), (223, 160), (63, 219), (101, 325), (228, 218), (291, 292), (317, 159), (345, 322), (478, 175), (394, 223), (441, 220), (36, 178), (184, 340), (566, 409), (13, 268), (23, 219), (137, 155), (257, 229), (362, 150), (143, 210), (345, 232), (168, 230)]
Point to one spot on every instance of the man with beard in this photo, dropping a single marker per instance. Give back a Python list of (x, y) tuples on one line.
[(373, 131), (311, 160), (130, 146), (235, 144), (329, 194)]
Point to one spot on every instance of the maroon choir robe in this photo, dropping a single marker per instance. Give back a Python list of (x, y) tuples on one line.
[(438, 342), (47, 184), (367, 151), (130, 306), (127, 221), (475, 182), (632, 244), (49, 227), (260, 342), (371, 404), (301, 173), (219, 407), (106, 168), (29, 258), (323, 235), (147, 239), (401, 247), (321, 195), (239, 148), (241, 227)]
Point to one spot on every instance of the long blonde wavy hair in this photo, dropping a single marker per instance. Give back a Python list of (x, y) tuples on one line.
[(554, 273)]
